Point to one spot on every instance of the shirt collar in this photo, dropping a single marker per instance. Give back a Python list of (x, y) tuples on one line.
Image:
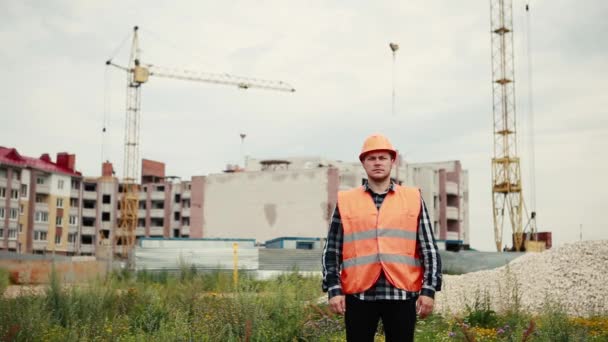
[(391, 187)]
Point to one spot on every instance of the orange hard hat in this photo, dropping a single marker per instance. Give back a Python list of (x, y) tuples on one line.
[(377, 142)]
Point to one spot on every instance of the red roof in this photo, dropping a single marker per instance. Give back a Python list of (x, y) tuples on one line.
[(44, 163)]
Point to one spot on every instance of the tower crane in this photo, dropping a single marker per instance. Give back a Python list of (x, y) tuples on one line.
[(507, 200), (137, 75)]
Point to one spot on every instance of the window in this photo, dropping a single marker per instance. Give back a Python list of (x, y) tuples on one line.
[(20, 227), (75, 184), (39, 235), (73, 220), (14, 213), (12, 234), (40, 198), (2, 192), (41, 216), (86, 239), (39, 181), (176, 216), (60, 184), (15, 194), (90, 187), (59, 221), (60, 203), (105, 216), (177, 198), (107, 199), (23, 190), (1, 233), (1, 213), (88, 221), (160, 188), (21, 209), (57, 239), (72, 238), (74, 202)]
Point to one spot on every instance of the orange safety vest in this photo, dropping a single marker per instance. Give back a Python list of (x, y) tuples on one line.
[(380, 240)]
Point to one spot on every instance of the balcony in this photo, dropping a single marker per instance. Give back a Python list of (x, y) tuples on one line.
[(451, 188), (72, 229), (143, 196), (451, 213), (71, 247), (74, 193), (88, 231), (86, 212), (107, 207), (159, 231), (187, 194), (87, 248), (157, 213), (39, 245), (44, 226), (89, 195), (141, 213), (3, 182), (141, 231), (185, 212), (157, 195), (74, 211), (186, 230), (43, 188), (42, 207), (452, 236)]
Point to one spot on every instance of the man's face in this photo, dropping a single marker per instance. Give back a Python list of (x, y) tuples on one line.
[(378, 165)]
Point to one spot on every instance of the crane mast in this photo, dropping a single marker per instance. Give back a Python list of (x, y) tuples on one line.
[(507, 198), (138, 74)]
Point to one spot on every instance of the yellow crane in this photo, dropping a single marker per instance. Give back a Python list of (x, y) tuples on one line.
[(138, 74), (507, 200)]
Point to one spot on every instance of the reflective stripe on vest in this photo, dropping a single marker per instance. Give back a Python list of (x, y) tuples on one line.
[(380, 240)]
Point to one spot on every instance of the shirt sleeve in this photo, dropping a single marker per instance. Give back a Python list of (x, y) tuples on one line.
[(332, 256), (427, 248)]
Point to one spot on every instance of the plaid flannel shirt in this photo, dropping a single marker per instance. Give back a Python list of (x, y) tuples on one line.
[(383, 289)]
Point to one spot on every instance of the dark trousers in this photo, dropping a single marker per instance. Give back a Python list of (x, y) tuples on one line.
[(398, 318)]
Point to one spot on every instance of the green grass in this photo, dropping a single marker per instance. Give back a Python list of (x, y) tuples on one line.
[(195, 306), (4, 280)]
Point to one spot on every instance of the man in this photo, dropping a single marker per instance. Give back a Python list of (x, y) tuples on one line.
[(380, 260)]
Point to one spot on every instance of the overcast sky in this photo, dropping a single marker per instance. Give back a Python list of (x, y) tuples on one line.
[(55, 89)]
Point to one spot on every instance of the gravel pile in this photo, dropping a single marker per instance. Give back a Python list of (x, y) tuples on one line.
[(575, 276)]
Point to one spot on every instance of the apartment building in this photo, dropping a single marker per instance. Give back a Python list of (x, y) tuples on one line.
[(39, 203), (49, 207), (445, 190)]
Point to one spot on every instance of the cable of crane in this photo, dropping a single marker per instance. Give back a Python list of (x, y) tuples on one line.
[(175, 46), (122, 43), (106, 102), (531, 144)]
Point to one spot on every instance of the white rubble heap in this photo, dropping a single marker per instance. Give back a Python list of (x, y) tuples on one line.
[(574, 276)]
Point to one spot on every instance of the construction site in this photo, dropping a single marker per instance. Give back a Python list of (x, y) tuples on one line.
[(265, 218)]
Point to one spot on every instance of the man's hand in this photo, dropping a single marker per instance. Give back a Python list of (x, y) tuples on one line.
[(337, 304), (424, 306)]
